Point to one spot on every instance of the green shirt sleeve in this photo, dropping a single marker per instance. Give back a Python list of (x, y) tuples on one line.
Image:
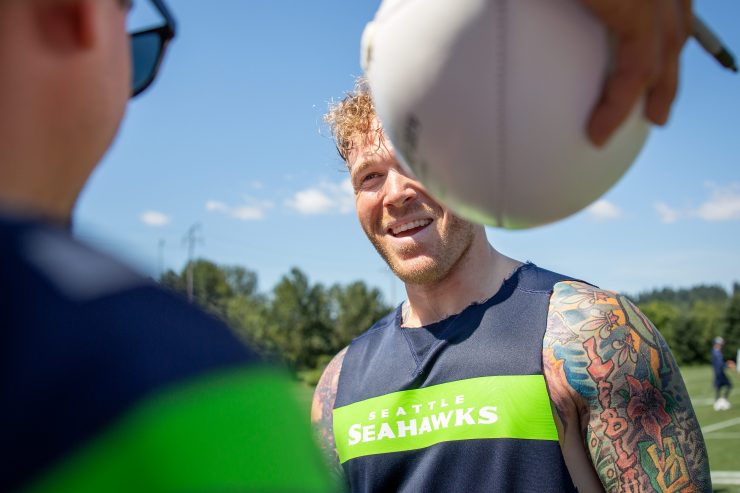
[(236, 431)]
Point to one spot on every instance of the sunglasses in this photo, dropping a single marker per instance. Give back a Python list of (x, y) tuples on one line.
[(148, 48)]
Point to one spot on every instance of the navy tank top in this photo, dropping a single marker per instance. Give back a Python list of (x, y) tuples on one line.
[(456, 406)]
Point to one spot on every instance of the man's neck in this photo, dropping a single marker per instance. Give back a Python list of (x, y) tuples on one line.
[(476, 277), (36, 201), (38, 180)]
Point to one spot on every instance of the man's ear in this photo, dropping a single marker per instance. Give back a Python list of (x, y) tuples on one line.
[(66, 25)]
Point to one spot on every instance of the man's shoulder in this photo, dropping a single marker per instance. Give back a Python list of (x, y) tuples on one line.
[(533, 278), (47, 261), (569, 291), (582, 310), (388, 321), (63, 297)]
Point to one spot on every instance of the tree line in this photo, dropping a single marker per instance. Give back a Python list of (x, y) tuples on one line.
[(305, 324), (689, 319)]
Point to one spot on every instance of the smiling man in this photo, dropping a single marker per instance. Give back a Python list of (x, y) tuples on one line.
[(494, 375)]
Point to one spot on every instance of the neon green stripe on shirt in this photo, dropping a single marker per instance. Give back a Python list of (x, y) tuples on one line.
[(235, 431), (487, 407)]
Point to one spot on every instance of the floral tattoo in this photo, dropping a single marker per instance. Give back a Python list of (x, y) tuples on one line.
[(631, 406)]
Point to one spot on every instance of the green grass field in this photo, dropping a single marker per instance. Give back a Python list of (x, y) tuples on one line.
[(721, 428)]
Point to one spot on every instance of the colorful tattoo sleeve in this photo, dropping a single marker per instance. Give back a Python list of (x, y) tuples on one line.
[(610, 373), (322, 411)]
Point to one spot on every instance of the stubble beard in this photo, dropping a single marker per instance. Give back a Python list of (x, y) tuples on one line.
[(456, 240)]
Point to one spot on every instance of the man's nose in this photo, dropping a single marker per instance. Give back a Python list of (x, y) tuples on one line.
[(399, 189)]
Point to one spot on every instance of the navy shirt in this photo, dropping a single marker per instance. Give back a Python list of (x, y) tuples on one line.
[(448, 407), (96, 358), (718, 361)]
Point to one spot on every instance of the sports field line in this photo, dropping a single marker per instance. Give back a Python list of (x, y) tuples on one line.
[(720, 425), (723, 436), (725, 477)]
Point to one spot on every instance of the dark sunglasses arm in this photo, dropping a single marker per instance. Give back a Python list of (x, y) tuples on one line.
[(170, 23)]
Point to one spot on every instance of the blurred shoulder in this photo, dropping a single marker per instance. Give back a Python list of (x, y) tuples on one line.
[(71, 269), (65, 301)]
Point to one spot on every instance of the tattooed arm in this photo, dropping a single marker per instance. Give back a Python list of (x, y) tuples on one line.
[(617, 389), (322, 411)]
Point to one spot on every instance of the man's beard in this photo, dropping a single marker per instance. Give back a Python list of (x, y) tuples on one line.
[(456, 240)]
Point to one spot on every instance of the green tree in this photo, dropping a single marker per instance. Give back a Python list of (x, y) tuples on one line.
[(243, 282), (354, 309), (303, 324), (732, 327), (248, 315), (210, 287), (665, 316), (684, 296), (709, 320), (688, 345), (299, 321), (688, 319), (214, 286), (172, 280)]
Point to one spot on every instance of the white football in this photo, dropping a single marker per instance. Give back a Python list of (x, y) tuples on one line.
[(487, 102)]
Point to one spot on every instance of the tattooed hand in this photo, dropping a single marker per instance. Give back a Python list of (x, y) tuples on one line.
[(613, 380), (322, 410)]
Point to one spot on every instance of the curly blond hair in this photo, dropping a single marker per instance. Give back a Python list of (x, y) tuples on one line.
[(352, 120)]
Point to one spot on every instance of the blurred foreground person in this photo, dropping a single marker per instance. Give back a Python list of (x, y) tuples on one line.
[(721, 403), (494, 375), (109, 383)]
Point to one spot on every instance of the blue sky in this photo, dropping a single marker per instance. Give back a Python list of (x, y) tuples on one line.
[(231, 138)]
